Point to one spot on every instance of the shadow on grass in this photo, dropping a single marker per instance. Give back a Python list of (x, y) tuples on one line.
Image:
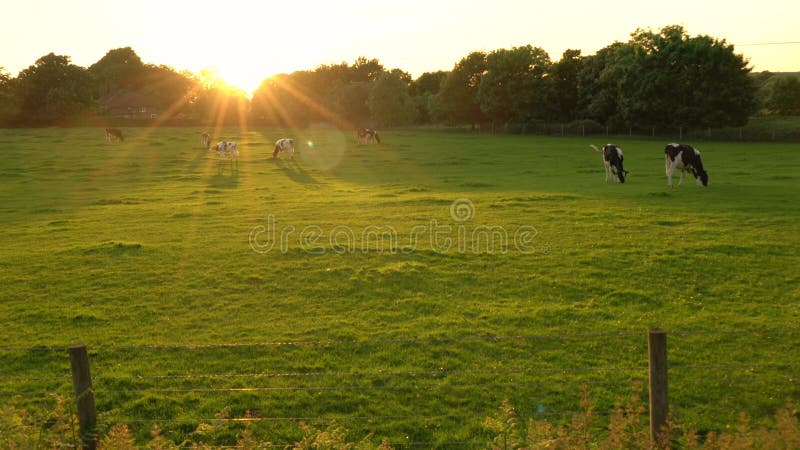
[(295, 172), (227, 176)]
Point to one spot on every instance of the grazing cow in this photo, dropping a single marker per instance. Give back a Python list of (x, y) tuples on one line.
[(685, 158), (365, 136), (227, 149), (206, 139), (114, 133), (283, 145), (612, 160)]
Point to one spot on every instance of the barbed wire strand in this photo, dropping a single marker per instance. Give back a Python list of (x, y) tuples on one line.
[(411, 373), (365, 388), (23, 379), (322, 419), (449, 372), (734, 366), (335, 342)]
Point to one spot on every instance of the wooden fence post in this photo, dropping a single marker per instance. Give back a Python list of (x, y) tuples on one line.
[(84, 395), (659, 399)]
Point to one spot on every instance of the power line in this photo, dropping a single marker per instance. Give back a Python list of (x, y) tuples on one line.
[(769, 43)]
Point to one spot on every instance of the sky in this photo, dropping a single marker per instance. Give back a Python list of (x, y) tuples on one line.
[(247, 41)]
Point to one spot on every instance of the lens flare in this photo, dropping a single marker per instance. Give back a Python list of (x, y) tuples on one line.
[(326, 146)]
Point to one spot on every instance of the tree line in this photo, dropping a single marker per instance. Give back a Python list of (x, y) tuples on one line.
[(663, 78)]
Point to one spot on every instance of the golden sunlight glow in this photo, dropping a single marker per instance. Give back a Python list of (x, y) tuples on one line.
[(242, 78), (250, 41)]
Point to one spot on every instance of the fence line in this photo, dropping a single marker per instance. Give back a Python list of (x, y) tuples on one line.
[(657, 375), (366, 388), (322, 419), (736, 366), (346, 342), (412, 373), (433, 339)]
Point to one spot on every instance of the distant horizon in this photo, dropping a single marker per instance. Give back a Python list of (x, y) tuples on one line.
[(247, 42)]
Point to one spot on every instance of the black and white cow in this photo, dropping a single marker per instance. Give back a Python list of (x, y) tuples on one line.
[(283, 145), (227, 149), (684, 158), (612, 160), (365, 136), (206, 139), (114, 133)]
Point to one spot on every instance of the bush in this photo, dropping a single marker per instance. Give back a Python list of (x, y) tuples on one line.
[(627, 427)]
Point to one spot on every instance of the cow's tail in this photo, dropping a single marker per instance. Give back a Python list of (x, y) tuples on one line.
[(594, 147)]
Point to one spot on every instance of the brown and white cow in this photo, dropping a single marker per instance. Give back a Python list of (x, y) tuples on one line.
[(227, 149), (612, 160), (283, 145), (684, 158), (114, 133), (206, 140), (365, 136)]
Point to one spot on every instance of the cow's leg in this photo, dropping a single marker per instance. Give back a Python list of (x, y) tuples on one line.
[(681, 180), (670, 169)]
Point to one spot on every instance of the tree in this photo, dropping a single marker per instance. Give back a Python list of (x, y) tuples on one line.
[(53, 90), (514, 87), (428, 83), (667, 79), (686, 81), (171, 90), (119, 68), (423, 91), (349, 101), (563, 100), (389, 102), (9, 108), (785, 99), (366, 69), (284, 100), (335, 93), (600, 80), (458, 96)]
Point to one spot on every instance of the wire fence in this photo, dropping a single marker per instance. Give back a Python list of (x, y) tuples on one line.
[(429, 397), (758, 129)]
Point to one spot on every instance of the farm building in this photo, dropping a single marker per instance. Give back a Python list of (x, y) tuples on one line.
[(129, 105)]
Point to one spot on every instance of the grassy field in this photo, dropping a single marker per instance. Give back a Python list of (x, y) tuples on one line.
[(146, 251)]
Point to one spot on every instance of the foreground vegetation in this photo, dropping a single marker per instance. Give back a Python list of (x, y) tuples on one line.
[(625, 429), (142, 250)]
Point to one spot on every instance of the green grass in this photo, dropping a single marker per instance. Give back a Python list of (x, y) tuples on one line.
[(141, 250)]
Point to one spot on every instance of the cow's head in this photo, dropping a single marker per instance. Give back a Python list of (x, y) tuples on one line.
[(701, 176), (620, 172)]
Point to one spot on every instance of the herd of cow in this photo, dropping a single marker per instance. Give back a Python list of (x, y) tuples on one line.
[(229, 150), (676, 156)]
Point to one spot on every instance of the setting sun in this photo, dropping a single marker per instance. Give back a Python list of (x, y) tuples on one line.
[(242, 78)]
